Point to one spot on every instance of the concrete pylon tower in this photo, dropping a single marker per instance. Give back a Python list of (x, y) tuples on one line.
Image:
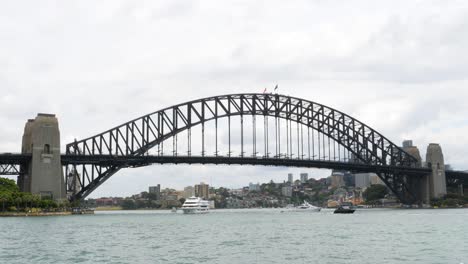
[(43, 175), (436, 180)]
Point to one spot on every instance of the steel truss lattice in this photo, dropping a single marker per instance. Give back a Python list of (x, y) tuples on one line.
[(357, 142)]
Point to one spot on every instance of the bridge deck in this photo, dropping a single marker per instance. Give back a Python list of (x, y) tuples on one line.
[(13, 160), (138, 161)]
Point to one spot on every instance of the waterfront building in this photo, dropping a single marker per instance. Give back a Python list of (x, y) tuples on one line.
[(362, 180), (108, 201), (287, 191), (180, 194), (357, 198), (237, 192), (202, 190), (304, 177), (189, 191), (332, 204), (171, 197), (254, 187), (290, 178)]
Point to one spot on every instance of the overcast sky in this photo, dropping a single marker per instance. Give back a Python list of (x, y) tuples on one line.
[(401, 67)]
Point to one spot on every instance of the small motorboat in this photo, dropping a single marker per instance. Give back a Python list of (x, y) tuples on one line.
[(344, 209), (304, 207)]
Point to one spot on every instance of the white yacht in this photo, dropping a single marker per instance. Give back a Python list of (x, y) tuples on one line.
[(195, 205), (306, 207)]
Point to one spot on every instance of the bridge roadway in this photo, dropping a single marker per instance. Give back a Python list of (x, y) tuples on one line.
[(138, 161), (10, 162)]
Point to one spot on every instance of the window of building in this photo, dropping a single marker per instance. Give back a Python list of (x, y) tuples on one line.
[(47, 148)]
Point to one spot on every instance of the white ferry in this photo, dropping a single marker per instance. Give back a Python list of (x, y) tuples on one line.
[(195, 205)]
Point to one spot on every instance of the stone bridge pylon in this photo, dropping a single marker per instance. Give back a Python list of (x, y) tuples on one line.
[(43, 175)]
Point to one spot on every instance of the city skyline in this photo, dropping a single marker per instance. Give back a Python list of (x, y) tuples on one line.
[(278, 176), (129, 64)]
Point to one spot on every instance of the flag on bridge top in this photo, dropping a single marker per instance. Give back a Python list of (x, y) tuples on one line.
[(264, 91), (276, 88)]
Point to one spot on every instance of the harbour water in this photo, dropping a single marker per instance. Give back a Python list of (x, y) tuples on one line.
[(239, 236)]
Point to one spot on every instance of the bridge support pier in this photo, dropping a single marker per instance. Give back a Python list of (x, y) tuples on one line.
[(418, 186), (417, 194), (425, 189), (43, 175), (436, 181)]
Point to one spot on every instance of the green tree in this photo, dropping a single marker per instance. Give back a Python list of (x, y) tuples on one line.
[(128, 204), (64, 204), (375, 192), (140, 204), (7, 185), (4, 198), (27, 199), (182, 200), (152, 196), (36, 199), (18, 201)]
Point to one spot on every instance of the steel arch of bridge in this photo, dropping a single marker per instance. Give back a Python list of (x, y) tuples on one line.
[(135, 138)]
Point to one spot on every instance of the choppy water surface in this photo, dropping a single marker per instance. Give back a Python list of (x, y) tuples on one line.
[(239, 236)]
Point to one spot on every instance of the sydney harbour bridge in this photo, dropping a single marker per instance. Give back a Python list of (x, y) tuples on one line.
[(243, 129)]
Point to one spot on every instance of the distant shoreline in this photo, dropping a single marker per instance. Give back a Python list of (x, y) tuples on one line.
[(23, 214), (108, 208)]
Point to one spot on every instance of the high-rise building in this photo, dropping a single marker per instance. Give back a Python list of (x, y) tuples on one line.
[(304, 177), (348, 178), (362, 180), (407, 143), (413, 151), (202, 190), (290, 178), (189, 191), (155, 190), (337, 179)]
